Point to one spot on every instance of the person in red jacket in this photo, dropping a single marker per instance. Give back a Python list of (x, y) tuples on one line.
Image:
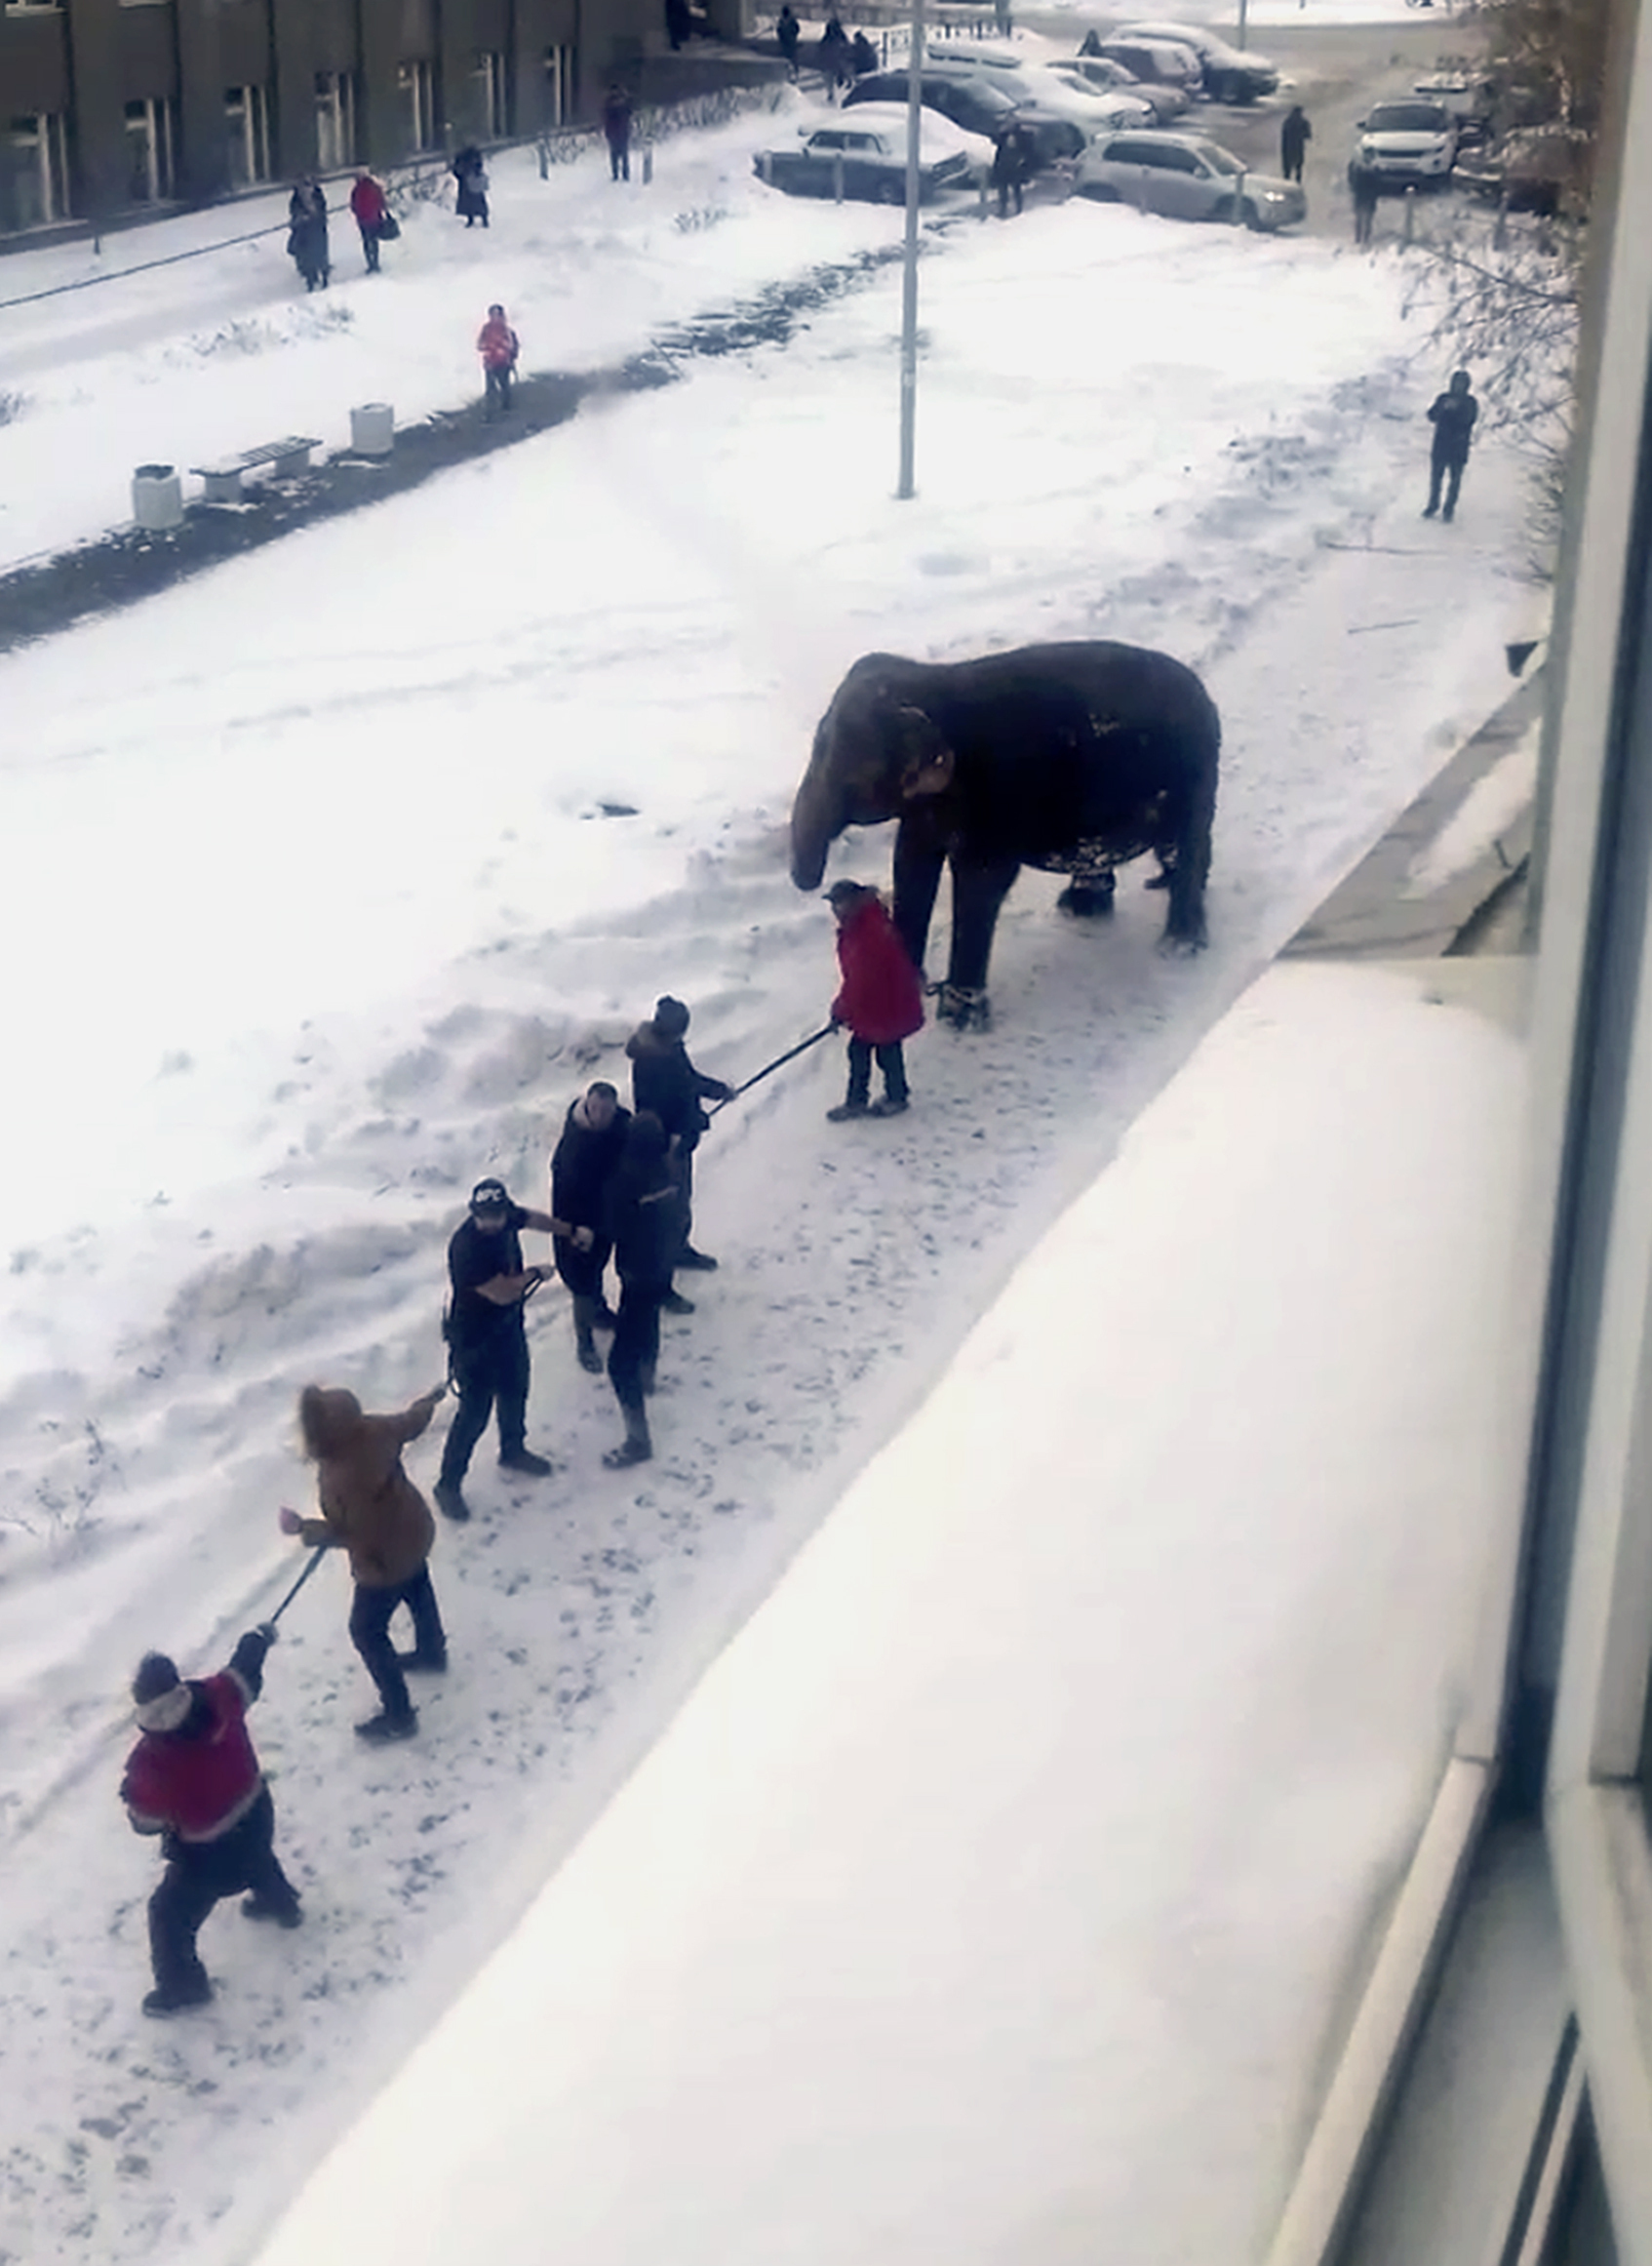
[(882, 1000), (194, 1779), (498, 346), (367, 202)]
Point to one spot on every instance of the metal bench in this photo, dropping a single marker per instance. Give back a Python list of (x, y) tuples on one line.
[(285, 459)]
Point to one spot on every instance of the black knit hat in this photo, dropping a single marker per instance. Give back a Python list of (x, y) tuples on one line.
[(671, 1017), (159, 1694)]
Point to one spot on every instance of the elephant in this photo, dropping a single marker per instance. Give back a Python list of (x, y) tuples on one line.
[(1072, 757)]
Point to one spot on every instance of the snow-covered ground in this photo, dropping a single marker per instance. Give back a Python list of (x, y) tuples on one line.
[(314, 909)]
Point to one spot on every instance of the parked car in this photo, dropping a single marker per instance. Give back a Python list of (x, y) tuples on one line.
[(1100, 70), (1158, 63), (1469, 100), (1537, 169), (1408, 143), (1229, 74), (870, 150), (972, 102), (968, 99), (1186, 177)]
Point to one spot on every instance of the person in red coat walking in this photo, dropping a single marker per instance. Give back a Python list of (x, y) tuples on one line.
[(194, 1779), (881, 1002), (367, 202), (498, 346)]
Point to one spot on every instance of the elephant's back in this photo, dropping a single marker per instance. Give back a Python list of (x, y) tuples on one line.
[(1116, 684)]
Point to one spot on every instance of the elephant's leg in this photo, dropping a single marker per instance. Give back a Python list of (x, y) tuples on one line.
[(979, 887), (918, 858), (1188, 865)]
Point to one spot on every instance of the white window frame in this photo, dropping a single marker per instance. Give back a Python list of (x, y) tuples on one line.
[(156, 133), (46, 131), (415, 86), (559, 84), (493, 86), (336, 120), (246, 112)]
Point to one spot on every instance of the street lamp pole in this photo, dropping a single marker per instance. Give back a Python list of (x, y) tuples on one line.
[(909, 270)]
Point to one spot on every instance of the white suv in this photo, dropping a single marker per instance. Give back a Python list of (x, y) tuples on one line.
[(1412, 142)]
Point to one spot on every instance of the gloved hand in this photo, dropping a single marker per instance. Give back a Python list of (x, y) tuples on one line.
[(268, 1631), (290, 1522)]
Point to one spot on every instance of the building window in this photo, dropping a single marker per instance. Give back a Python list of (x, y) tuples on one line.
[(493, 103), (419, 103), (151, 138), (35, 185), (336, 120), (245, 118), (559, 92)]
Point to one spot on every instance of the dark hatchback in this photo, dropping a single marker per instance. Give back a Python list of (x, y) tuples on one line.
[(979, 108)]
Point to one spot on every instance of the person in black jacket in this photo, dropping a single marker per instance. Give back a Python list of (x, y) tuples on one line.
[(1295, 133), (664, 1080), (583, 1161), (1452, 415), (488, 1336), (787, 33), (643, 1215)]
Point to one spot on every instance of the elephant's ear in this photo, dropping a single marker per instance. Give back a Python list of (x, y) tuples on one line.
[(927, 762)]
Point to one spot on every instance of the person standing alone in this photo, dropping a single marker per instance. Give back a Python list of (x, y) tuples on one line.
[(1452, 415), (1295, 133), (498, 346), (616, 126), (881, 1000), (367, 203)]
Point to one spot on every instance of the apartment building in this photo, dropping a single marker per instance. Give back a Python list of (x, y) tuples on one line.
[(109, 108)]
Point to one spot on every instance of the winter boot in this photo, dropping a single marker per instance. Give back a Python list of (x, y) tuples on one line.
[(175, 1998), (379, 1730), (584, 1344), (604, 1317), (450, 1500), (698, 1260), (638, 1448), (285, 1915), (524, 1460), (857, 1105), (423, 1663), (891, 1105), (674, 1302)]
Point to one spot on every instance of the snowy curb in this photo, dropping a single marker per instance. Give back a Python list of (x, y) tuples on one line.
[(1379, 911)]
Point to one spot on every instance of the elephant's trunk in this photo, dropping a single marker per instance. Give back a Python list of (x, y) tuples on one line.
[(815, 821)]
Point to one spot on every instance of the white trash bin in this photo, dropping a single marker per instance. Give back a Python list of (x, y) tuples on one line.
[(157, 498), (373, 429)]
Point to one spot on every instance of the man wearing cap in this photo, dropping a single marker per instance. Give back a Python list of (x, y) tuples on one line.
[(488, 1336), (665, 1081), (194, 1779)]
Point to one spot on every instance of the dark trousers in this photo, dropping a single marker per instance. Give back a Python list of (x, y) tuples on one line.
[(635, 1342), (1364, 216), (1006, 191), (370, 248), (370, 1616), (891, 1060), (198, 1874), (487, 1376), (1290, 165), (497, 396), (619, 161), (683, 1167), (583, 1270), (1449, 470)]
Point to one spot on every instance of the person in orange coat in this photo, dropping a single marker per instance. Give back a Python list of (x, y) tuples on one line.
[(498, 346), (881, 1002), (371, 1508)]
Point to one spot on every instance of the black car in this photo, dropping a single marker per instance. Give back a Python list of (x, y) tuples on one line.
[(979, 108)]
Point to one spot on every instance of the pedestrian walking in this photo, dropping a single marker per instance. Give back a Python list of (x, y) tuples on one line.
[(787, 33), (1452, 415), (644, 1216), (616, 126), (371, 1509), (471, 174), (193, 1778), (499, 347), (879, 1002), (1012, 164), (487, 1336), (1363, 181), (665, 1080), (367, 203), (306, 233), (862, 55), (1295, 133), (833, 55), (583, 1161)]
